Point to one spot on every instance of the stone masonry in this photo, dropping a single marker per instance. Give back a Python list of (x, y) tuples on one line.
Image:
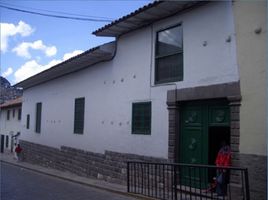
[(257, 171), (110, 166)]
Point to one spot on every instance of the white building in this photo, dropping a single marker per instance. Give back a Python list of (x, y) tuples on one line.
[(10, 123), (170, 79)]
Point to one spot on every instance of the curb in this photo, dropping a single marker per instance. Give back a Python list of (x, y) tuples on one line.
[(79, 182)]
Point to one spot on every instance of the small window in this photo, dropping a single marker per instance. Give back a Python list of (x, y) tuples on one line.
[(14, 111), (7, 141), (79, 111), (28, 121), (38, 117), (169, 55), (141, 118), (8, 114), (19, 114)]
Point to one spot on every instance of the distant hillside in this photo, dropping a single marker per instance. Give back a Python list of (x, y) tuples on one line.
[(8, 92)]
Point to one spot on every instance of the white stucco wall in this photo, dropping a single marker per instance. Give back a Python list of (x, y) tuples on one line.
[(110, 88), (252, 57), (9, 127)]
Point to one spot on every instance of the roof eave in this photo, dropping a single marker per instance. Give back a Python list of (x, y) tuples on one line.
[(88, 58), (146, 16)]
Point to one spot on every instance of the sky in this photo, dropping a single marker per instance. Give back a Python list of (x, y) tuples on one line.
[(32, 43)]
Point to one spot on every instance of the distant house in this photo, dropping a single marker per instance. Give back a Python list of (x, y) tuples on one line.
[(179, 74), (10, 123), (8, 92)]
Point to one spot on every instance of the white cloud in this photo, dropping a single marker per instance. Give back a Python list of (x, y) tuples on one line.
[(72, 54), (32, 67), (8, 30), (28, 69), (8, 72), (23, 49)]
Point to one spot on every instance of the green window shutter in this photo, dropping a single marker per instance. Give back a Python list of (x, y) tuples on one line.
[(38, 117), (28, 121), (79, 111), (7, 138), (19, 114), (141, 118), (169, 55)]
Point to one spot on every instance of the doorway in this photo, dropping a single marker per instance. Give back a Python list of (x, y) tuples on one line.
[(217, 135), (203, 126)]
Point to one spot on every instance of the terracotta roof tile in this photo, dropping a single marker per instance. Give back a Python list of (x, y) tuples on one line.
[(12, 103)]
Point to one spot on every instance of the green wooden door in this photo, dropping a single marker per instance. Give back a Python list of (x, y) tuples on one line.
[(196, 118)]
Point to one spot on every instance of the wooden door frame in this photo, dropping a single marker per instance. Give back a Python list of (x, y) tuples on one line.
[(175, 98)]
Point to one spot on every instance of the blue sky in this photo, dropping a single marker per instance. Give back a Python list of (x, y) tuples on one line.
[(32, 43)]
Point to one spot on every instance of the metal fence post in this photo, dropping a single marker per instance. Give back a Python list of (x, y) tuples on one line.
[(175, 182), (127, 176), (247, 184)]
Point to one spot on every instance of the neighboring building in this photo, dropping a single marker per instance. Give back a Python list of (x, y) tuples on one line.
[(171, 79), (251, 44), (10, 123), (8, 92)]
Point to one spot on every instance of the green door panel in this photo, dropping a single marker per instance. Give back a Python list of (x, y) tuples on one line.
[(193, 130), (192, 146), (219, 116), (192, 154), (192, 116)]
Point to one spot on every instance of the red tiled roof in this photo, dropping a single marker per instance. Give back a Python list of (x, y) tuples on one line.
[(12, 103)]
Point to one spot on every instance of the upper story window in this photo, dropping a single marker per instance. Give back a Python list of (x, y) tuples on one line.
[(169, 55)]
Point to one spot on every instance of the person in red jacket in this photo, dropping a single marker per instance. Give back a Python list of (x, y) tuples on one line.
[(224, 156), (223, 160), (18, 150)]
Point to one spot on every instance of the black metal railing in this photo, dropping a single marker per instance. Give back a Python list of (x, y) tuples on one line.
[(185, 181)]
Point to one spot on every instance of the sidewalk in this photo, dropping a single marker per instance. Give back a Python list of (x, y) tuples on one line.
[(7, 157)]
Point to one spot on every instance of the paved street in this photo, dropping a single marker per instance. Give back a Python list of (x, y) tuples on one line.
[(21, 184)]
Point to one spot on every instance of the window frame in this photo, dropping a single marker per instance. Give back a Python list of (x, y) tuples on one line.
[(76, 129), (133, 129), (156, 57)]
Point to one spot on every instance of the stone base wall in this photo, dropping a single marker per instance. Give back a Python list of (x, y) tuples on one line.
[(257, 171), (110, 166)]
